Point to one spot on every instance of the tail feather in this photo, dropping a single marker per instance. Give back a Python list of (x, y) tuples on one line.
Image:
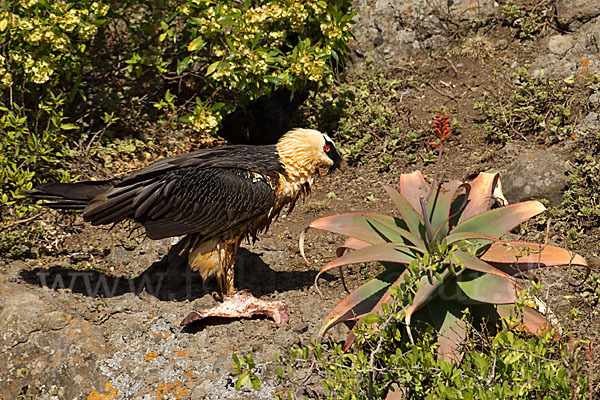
[(68, 196)]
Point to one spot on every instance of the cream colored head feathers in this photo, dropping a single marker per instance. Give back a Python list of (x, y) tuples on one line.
[(301, 152)]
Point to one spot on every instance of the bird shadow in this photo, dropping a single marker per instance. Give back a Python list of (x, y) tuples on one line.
[(171, 278)]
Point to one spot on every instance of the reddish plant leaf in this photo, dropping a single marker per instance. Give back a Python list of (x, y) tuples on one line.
[(354, 224), (501, 220), (385, 298), (517, 257), (351, 244), (484, 188), (360, 301), (475, 264), (476, 238), (532, 320), (446, 318), (395, 234), (392, 252), (412, 186), (429, 287), (439, 205), (412, 218)]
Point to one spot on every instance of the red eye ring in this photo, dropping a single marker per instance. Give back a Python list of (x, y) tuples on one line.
[(326, 148)]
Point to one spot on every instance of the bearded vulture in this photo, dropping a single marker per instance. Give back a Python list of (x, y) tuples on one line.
[(214, 197)]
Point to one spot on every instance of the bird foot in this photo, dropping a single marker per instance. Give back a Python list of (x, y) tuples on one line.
[(241, 305)]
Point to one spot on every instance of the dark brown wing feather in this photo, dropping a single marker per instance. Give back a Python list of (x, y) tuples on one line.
[(208, 192), (208, 201)]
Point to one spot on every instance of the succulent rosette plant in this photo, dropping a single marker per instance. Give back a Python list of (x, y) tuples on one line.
[(447, 240)]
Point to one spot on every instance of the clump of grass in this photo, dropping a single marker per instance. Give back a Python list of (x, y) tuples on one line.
[(539, 109), (579, 212), (529, 19)]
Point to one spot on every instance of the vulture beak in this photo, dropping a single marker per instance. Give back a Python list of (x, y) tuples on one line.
[(338, 161)]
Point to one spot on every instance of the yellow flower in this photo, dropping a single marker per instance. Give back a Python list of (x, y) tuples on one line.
[(5, 80), (28, 3)]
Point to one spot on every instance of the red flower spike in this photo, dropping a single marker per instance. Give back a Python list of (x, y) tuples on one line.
[(441, 126)]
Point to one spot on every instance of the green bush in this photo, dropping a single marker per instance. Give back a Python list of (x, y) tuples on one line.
[(506, 364), (72, 72), (362, 113), (44, 53)]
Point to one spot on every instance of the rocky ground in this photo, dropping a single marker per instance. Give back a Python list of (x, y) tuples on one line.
[(97, 315)]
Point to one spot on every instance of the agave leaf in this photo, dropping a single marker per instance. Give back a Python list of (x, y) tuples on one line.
[(476, 264), (532, 320), (439, 205), (385, 298), (412, 186), (429, 287), (355, 225), (483, 190), (352, 244), (392, 232), (518, 257), (474, 287), (412, 218), (392, 252), (477, 238), (501, 220), (360, 301), (446, 318)]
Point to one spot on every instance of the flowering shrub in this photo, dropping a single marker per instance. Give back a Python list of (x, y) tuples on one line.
[(69, 69)]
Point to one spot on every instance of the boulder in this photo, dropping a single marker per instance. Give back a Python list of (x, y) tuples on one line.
[(571, 14), (534, 174)]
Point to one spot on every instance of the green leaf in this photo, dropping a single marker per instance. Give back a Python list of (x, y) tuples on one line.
[(473, 287), (446, 318), (372, 319), (501, 220), (68, 127), (412, 219), (242, 380), (197, 44), (212, 67), (255, 381)]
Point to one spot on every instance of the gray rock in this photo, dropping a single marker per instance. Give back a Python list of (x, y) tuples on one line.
[(45, 348), (571, 14), (560, 44), (591, 123), (580, 56), (388, 31), (534, 175)]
